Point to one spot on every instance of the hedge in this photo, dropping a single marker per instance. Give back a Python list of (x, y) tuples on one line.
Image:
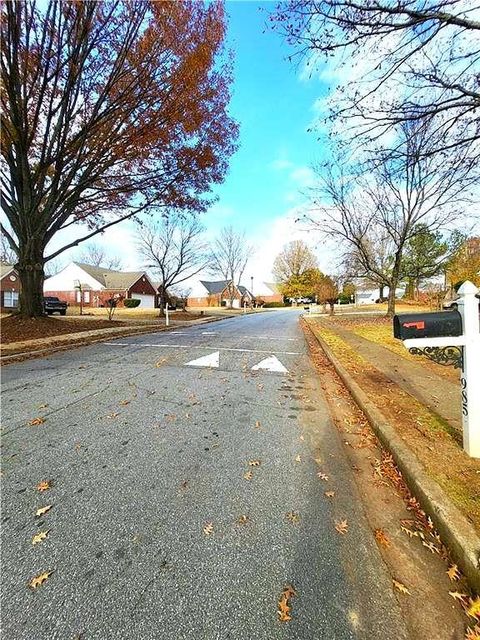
[(131, 303)]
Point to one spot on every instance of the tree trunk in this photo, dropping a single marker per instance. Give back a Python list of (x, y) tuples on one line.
[(380, 291), (162, 301), (410, 289), (332, 308), (30, 270), (392, 285)]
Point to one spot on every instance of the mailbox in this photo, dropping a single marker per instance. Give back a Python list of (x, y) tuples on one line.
[(427, 325)]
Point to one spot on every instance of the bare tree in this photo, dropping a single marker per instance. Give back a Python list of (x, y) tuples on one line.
[(7, 254), (109, 109), (386, 202), (96, 255), (174, 249), (229, 257), (415, 59), (294, 259)]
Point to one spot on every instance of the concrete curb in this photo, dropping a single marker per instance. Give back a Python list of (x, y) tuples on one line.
[(455, 530), (103, 334)]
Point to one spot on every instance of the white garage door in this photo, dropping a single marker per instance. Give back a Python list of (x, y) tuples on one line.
[(147, 302)]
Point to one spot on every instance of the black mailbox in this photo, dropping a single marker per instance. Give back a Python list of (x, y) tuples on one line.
[(427, 325)]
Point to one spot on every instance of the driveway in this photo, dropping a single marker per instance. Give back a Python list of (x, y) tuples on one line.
[(182, 472)]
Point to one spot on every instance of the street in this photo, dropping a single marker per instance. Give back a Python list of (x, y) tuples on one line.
[(182, 472)]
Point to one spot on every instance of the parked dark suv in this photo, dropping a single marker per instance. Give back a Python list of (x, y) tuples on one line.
[(51, 304)]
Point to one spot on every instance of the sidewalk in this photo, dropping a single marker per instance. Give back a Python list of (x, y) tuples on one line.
[(42, 346)]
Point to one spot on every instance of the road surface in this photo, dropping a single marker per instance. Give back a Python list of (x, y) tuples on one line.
[(183, 477)]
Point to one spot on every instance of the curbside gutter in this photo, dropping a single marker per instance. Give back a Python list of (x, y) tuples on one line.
[(84, 338), (459, 534)]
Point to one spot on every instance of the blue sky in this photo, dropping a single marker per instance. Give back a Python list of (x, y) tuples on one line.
[(267, 175)]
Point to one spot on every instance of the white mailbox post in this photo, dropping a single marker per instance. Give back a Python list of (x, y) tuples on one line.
[(463, 351)]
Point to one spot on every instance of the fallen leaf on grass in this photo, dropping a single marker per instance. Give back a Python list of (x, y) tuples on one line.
[(473, 610), (39, 537), (453, 573), (293, 517), (473, 633), (42, 510), (208, 528), (381, 538), (36, 421), (39, 580), (399, 586), (248, 475), (44, 485), (329, 494), (341, 527), (254, 463), (322, 476)]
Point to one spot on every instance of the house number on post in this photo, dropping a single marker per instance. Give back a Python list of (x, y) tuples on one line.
[(452, 338)]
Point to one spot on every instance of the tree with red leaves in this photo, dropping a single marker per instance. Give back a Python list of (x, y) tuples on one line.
[(109, 109)]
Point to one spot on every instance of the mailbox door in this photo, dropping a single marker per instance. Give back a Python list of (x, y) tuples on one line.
[(427, 325)]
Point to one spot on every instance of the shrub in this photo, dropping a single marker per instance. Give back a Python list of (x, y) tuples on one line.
[(131, 303), (272, 305)]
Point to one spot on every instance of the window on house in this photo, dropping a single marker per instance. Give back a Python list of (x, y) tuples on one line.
[(10, 299), (86, 296)]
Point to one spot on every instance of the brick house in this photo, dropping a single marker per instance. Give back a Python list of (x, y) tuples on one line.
[(218, 294), (95, 285), (9, 287)]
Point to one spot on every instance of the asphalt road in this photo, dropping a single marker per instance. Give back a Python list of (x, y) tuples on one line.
[(142, 452)]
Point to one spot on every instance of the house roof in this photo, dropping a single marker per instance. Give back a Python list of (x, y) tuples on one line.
[(216, 286), (111, 279), (5, 268)]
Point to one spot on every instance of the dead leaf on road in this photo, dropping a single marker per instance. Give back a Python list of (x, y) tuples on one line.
[(248, 475), (160, 362), (43, 406), (254, 463), (473, 633), (322, 476), (293, 517), (44, 485), (302, 438), (399, 586), (208, 528), (284, 608), (124, 402), (243, 520), (458, 596), (453, 573), (39, 537), (381, 538), (298, 459), (36, 421), (39, 580), (184, 485), (257, 424), (42, 510), (112, 415), (409, 532), (329, 494), (341, 527)]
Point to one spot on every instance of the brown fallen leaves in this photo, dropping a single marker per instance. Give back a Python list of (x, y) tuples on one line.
[(243, 519), (329, 494), (248, 475), (293, 517), (39, 537), (39, 580), (284, 608), (258, 424), (42, 510), (36, 421), (471, 606), (399, 586), (342, 527), (254, 463), (44, 485), (382, 538), (298, 459), (208, 528), (322, 476), (453, 573)]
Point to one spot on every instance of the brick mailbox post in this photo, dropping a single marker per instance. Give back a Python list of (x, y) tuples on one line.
[(451, 338)]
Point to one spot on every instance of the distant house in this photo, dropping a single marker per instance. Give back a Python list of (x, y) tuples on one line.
[(9, 287), (93, 286), (218, 294)]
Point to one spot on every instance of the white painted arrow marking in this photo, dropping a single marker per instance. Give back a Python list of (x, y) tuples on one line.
[(270, 364), (212, 360)]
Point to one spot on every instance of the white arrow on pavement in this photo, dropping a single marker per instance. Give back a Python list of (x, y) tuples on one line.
[(270, 364), (212, 360)]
